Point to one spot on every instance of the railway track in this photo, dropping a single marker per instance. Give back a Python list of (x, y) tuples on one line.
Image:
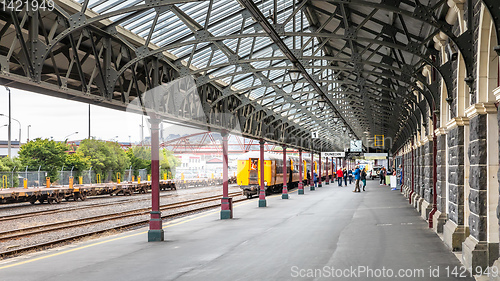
[(73, 208), (25, 232)]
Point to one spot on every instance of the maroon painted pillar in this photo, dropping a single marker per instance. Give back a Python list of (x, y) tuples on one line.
[(333, 172), (319, 172), (402, 171), (301, 168), (327, 177), (284, 195), (155, 232), (226, 206), (262, 194), (312, 187)]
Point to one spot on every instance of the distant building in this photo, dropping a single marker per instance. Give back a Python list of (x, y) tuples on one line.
[(4, 148)]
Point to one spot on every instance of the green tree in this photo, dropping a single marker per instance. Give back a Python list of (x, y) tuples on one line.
[(78, 162), (140, 158), (168, 161), (48, 154), (104, 156), (7, 166)]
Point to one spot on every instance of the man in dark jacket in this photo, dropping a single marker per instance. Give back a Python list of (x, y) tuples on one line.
[(363, 178), (382, 174)]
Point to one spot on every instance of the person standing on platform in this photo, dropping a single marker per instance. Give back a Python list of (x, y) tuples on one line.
[(344, 172), (400, 175), (357, 177), (363, 178), (340, 176), (382, 175), (349, 174), (315, 179)]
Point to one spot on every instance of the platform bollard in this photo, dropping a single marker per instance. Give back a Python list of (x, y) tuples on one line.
[(71, 182), (138, 179), (133, 178), (182, 178), (98, 178), (4, 181), (80, 180), (164, 176), (118, 177), (47, 182), (149, 177), (25, 183)]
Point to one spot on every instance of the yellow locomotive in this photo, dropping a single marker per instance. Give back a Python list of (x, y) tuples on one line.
[(248, 175)]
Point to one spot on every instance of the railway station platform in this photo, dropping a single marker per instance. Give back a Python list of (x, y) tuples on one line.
[(329, 233)]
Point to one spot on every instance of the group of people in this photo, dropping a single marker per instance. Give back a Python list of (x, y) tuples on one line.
[(358, 174)]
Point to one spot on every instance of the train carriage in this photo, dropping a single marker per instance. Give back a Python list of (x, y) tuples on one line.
[(248, 175)]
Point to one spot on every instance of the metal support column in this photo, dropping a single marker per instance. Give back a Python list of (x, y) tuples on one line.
[(319, 172), (155, 232), (284, 195), (312, 187), (262, 194), (226, 211), (327, 178), (401, 172), (301, 168), (333, 172)]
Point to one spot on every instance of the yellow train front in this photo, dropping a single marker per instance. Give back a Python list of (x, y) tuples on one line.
[(248, 176)]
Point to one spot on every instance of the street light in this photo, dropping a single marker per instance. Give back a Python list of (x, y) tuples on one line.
[(294, 75), (29, 126), (321, 104), (9, 144), (66, 137), (17, 122)]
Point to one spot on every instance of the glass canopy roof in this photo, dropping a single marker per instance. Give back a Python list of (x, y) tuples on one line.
[(344, 51)]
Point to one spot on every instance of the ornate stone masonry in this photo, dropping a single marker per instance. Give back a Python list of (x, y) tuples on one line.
[(454, 231), (427, 178), (417, 196), (440, 216), (475, 249)]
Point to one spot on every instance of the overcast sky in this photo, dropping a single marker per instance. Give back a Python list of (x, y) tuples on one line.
[(58, 118)]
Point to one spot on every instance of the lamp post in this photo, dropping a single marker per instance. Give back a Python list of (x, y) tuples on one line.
[(66, 137), (10, 127), (294, 75), (29, 126), (9, 144)]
